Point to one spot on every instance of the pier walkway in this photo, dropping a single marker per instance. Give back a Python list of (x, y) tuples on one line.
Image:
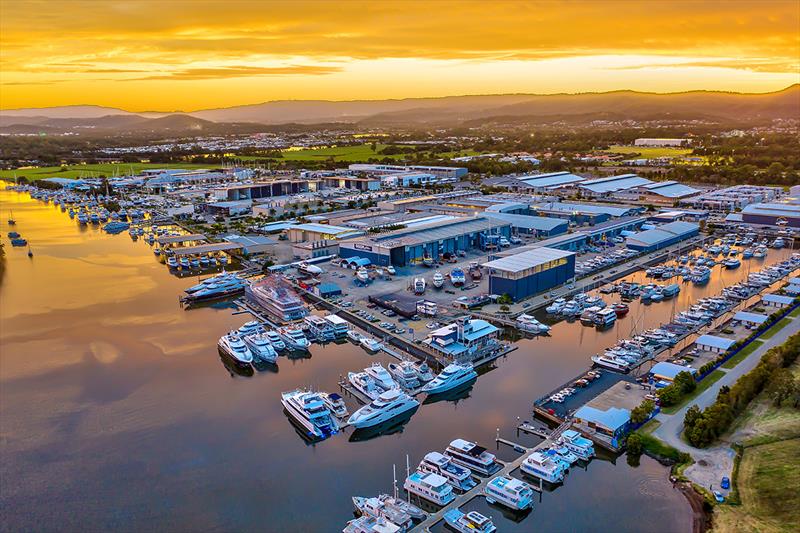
[(508, 467)]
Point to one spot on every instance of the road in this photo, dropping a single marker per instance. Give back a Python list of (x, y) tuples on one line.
[(713, 463)]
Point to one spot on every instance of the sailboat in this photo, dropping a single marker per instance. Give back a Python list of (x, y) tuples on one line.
[(11, 220)]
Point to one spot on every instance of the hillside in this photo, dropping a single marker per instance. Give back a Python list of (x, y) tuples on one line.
[(451, 110)]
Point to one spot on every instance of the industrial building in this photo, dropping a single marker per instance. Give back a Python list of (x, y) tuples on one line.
[(319, 232), (580, 213), (730, 198), (530, 272), (532, 225), (267, 189), (352, 182), (645, 141), (772, 213), (613, 422), (608, 186), (412, 245), (230, 209), (662, 236), (441, 173), (252, 244), (412, 203), (314, 249), (407, 179), (543, 183), (663, 192)]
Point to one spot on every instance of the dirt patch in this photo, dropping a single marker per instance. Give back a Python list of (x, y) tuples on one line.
[(701, 511)]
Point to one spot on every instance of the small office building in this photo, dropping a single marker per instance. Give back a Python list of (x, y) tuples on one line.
[(531, 272), (662, 236)]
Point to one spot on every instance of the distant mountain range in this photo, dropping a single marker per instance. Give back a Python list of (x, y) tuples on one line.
[(446, 111)]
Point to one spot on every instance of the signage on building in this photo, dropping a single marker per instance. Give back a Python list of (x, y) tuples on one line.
[(365, 247)]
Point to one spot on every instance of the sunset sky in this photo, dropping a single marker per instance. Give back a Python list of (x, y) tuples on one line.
[(188, 55)]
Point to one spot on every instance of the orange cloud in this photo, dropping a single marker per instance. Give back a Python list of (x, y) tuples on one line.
[(200, 41)]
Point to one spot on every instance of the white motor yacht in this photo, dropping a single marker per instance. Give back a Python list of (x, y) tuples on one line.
[(261, 347), (354, 336), (370, 344), (458, 476), (611, 362), (424, 373), (310, 411), (233, 345), (451, 377), (294, 338), (381, 377), (362, 275), (405, 374), (438, 280), (275, 340), (472, 456), (364, 384), (376, 508), (419, 285), (390, 404), (335, 403)]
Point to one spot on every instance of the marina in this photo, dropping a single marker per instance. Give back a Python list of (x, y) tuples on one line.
[(325, 362)]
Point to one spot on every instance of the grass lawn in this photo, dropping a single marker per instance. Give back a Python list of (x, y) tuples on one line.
[(795, 313), (739, 357), (649, 152), (650, 426), (769, 475), (776, 328), (703, 385), (361, 152), (89, 171)]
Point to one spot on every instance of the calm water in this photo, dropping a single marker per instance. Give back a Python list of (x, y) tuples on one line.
[(116, 410)]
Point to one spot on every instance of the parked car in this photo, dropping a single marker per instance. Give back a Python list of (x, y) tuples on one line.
[(718, 496), (726, 483)]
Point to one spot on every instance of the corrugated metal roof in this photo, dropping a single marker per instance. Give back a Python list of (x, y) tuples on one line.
[(321, 228), (440, 231), (530, 221), (720, 343), (526, 260), (753, 318), (670, 370), (565, 207), (553, 179), (671, 189), (777, 299), (776, 210), (614, 183), (614, 418), (662, 233)]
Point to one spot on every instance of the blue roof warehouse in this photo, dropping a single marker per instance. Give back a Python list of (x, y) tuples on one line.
[(662, 236), (531, 272), (411, 245)]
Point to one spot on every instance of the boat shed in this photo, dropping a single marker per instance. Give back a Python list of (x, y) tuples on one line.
[(613, 422), (327, 290), (252, 244), (772, 213), (662, 236), (532, 225), (712, 343), (320, 232), (665, 371), (612, 184), (411, 245), (531, 272), (207, 248), (777, 300), (750, 319), (173, 239)]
